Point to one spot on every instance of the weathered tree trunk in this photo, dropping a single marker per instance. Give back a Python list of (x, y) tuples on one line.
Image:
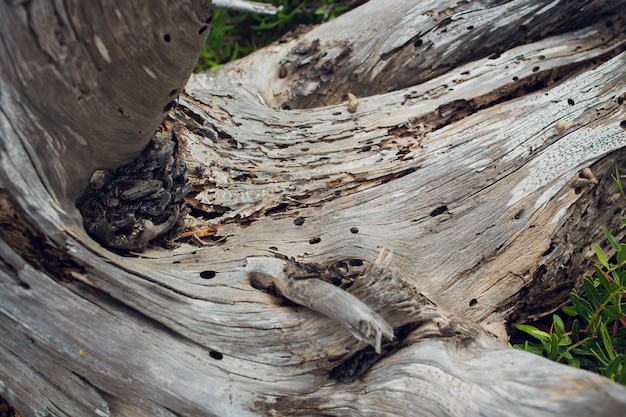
[(421, 220)]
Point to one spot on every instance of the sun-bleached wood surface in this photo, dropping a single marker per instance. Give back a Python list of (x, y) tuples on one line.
[(448, 203)]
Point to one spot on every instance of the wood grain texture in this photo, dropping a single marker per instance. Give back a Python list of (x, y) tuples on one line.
[(93, 80), (460, 172), (407, 44)]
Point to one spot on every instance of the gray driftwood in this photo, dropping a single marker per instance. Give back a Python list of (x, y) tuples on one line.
[(446, 195)]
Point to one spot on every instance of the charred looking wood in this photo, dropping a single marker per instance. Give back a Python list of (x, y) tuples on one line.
[(138, 202)]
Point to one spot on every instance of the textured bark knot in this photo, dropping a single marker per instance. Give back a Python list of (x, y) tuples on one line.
[(138, 202)]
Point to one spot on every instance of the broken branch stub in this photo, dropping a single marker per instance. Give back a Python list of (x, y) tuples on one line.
[(303, 286)]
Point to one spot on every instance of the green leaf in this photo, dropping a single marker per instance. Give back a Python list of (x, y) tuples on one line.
[(565, 341), (591, 293), (534, 332), (574, 362), (611, 313), (601, 256), (621, 254), (530, 347), (619, 338), (558, 325), (614, 367), (569, 310), (583, 308), (614, 242), (554, 346), (598, 353), (621, 377), (618, 181), (604, 281), (606, 341), (576, 331)]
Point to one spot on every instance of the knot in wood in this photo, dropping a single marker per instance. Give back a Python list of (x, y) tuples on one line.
[(138, 202)]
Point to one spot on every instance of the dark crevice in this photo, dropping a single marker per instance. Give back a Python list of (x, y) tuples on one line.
[(415, 40), (438, 211), (25, 237)]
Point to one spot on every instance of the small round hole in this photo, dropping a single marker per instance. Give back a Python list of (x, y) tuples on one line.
[(356, 262), (315, 240), (570, 101), (216, 355), (535, 69), (167, 37), (439, 210), (202, 29), (207, 274), (473, 302), (299, 221), (354, 230), (515, 78)]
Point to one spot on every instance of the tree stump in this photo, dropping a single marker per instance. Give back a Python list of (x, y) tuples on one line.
[(361, 210)]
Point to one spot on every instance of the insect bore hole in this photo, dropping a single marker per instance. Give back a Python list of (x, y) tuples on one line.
[(207, 274), (439, 210)]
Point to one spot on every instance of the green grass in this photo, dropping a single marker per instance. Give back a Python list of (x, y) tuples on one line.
[(235, 34)]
